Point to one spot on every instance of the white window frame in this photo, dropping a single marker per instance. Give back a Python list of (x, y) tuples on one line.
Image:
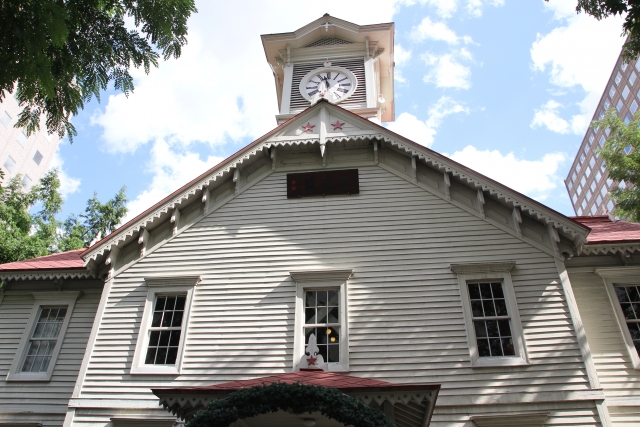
[(67, 298), (316, 280), (621, 276), (492, 271), (179, 285)]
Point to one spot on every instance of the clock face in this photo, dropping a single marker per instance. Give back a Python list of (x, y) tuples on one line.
[(334, 84)]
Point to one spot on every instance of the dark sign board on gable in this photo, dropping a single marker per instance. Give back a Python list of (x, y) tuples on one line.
[(324, 183)]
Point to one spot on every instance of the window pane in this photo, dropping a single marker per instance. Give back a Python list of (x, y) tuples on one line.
[(334, 297), (322, 298), (481, 329), (172, 355), (474, 291), (333, 315), (496, 288), (151, 356), (485, 290), (177, 319), (5, 119), (37, 157), (489, 309), (476, 307), (160, 301), (310, 299), (322, 315), (501, 307), (483, 348), (310, 316)]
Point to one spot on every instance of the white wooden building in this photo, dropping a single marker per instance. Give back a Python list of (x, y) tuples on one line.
[(406, 267)]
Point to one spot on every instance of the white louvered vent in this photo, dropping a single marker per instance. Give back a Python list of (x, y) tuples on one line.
[(357, 100), (329, 41)]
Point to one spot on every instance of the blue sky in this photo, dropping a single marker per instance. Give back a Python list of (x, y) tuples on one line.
[(506, 87)]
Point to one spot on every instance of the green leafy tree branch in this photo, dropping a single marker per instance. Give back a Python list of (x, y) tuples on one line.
[(58, 54), (621, 153), (24, 235)]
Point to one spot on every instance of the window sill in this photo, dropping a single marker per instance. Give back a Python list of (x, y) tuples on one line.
[(492, 362), (42, 377), (337, 368), (154, 370)]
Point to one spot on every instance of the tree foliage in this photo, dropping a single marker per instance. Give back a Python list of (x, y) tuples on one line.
[(25, 235), (621, 153), (600, 9), (296, 398), (57, 54)]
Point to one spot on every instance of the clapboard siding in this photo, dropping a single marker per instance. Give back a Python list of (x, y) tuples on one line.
[(43, 402), (404, 310), (618, 377)]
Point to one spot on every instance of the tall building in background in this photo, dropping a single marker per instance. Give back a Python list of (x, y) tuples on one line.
[(29, 156), (588, 181)]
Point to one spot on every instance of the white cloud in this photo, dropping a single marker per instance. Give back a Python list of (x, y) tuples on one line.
[(221, 88), (580, 54), (401, 57), (171, 168), (440, 31), (447, 70), (534, 178), (68, 184), (547, 116), (446, 8), (423, 132)]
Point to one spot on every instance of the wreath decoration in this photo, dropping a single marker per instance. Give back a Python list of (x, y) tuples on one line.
[(296, 398)]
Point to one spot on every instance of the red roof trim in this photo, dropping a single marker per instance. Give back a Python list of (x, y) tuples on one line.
[(342, 382), (69, 260)]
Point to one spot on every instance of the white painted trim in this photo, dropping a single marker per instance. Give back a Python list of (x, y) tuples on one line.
[(169, 286), (576, 319), (612, 276), (67, 298), (320, 275), (92, 339), (285, 104), (482, 267), (331, 280), (585, 350), (528, 418), (504, 276)]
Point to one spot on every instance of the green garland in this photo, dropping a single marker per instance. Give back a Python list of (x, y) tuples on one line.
[(295, 398)]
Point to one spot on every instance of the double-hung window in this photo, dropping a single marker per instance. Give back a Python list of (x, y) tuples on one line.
[(164, 324), (491, 321), (322, 318), (491, 314), (166, 329), (321, 311), (43, 336)]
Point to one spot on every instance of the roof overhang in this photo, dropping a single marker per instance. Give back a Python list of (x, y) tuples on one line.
[(563, 224), (413, 404), (76, 273)]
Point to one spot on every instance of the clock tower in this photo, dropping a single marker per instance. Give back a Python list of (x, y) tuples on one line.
[(346, 64)]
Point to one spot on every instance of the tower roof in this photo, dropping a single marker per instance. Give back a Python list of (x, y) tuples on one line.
[(331, 38)]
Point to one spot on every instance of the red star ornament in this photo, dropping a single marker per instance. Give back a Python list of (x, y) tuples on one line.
[(311, 360), (337, 125), (308, 127)]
